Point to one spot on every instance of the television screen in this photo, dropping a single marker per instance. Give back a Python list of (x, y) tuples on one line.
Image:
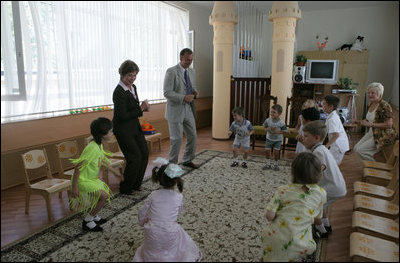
[(321, 70)]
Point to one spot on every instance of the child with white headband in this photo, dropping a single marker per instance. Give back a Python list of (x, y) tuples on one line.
[(164, 238)]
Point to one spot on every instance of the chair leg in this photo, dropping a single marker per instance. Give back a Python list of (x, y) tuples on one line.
[(60, 195), (27, 200), (48, 205), (105, 176)]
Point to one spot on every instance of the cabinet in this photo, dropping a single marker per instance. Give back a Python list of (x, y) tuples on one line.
[(352, 64)]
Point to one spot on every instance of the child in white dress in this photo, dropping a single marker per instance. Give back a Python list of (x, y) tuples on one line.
[(164, 239)]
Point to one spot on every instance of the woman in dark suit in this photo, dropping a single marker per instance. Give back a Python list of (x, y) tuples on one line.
[(127, 128)]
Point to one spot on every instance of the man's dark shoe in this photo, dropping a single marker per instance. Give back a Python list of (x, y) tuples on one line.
[(100, 222), (244, 165), (191, 165)]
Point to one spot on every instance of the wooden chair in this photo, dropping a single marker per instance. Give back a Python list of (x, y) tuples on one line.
[(368, 248), (67, 150), (378, 191), (289, 140), (377, 206), (116, 162), (36, 161), (376, 226), (389, 165)]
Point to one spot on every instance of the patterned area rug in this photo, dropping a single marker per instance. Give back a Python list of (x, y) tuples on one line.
[(224, 213)]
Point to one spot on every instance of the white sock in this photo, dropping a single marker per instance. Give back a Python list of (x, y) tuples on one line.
[(235, 160), (276, 163), (91, 224), (268, 161), (325, 221), (96, 218), (89, 218), (321, 228)]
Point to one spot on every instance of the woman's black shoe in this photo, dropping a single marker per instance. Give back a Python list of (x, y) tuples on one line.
[(97, 228)]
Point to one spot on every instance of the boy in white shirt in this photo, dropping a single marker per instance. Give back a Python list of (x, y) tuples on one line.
[(338, 143), (332, 179)]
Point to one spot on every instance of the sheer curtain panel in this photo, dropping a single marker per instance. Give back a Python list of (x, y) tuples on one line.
[(72, 51)]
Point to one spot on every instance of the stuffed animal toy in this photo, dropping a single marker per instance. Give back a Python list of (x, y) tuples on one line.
[(356, 46)]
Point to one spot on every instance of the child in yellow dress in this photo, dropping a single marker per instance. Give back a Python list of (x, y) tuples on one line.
[(291, 213), (89, 193)]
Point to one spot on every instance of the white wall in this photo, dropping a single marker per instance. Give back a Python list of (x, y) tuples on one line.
[(378, 25), (203, 46)]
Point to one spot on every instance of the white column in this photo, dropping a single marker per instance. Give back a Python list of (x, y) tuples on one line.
[(223, 19), (284, 16)]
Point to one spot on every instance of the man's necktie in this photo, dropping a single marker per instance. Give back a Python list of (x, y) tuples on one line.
[(188, 84)]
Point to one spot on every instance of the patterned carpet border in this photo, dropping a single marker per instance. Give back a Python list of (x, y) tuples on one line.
[(40, 245)]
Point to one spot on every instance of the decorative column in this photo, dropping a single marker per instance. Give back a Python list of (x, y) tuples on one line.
[(223, 19), (284, 16)]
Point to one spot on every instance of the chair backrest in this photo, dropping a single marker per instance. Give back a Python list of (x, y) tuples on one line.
[(66, 150), (295, 104), (112, 145), (395, 153), (35, 160), (394, 182)]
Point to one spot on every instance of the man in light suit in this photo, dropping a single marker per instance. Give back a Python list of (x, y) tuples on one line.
[(180, 92)]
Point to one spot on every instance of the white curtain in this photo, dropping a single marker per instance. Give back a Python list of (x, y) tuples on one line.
[(73, 49)]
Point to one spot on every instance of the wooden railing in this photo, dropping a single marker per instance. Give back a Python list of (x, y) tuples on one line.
[(253, 95)]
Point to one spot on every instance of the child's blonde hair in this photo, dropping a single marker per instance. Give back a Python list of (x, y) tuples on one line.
[(306, 169), (309, 103), (316, 128)]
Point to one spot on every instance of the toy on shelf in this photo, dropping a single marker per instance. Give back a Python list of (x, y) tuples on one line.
[(147, 128)]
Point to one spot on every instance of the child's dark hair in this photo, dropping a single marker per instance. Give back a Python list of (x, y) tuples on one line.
[(159, 176), (332, 100), (310, 114), (238, 111), (306, 169), (277, 107), (100, 127)]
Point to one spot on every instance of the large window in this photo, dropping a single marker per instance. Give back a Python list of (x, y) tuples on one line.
[(71, 51)]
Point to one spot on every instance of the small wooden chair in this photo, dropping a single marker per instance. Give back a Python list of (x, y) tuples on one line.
[(377, 206), (389, 165), (36, 161), (378, 191), (368, 248), (117, 162), (376, 226), (67, 150)]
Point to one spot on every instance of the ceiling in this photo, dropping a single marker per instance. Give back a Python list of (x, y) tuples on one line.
[(305, 6)]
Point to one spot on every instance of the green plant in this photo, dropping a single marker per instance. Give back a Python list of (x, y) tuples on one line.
[(347, 83), (301, 59)]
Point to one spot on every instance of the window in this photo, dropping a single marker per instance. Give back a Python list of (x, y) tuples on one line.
[(72, 51)]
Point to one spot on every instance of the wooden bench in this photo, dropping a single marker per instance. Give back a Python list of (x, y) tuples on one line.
[(150, 139)]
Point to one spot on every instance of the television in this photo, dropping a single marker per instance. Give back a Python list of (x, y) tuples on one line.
[(322, 71)]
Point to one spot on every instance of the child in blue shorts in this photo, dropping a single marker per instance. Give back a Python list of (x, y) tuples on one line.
[(274, 127), (242, 129)]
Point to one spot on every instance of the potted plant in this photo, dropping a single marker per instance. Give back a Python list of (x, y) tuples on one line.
[(301, 60), (347, 83)]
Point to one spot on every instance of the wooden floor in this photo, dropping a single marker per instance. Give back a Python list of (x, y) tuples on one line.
[(15, 224)]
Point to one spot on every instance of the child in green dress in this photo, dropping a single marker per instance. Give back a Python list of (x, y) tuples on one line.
[(291, 213), (89, 194)]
